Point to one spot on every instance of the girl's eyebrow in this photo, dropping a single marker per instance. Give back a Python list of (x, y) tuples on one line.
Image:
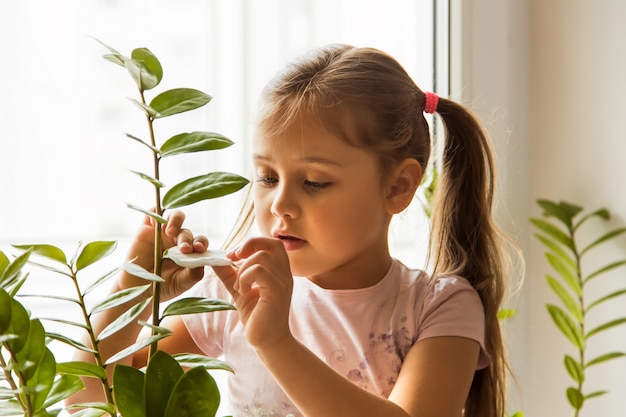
[(308, 160)]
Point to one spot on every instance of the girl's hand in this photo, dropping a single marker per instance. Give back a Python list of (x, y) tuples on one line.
[(261, 288), (141, 253)]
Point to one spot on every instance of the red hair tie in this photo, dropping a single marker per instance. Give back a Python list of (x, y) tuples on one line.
[(430, 105)]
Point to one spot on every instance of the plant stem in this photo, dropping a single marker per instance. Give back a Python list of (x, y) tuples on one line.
[(92, 336), (9, 378), (158, 250), (581, 301)]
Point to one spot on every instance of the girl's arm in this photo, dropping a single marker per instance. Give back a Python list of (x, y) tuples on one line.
[(434, 380)]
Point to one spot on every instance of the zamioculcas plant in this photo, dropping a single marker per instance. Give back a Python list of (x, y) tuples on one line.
[(35, 381), (558, 232)]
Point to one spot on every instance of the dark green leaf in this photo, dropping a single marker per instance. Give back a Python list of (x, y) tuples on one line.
[(151, 66), (194, 305), (567, 326), (136, 347), (93, 252), (128, 382), (178, 100), (569, 276), (557, 249), (193, 190), (194, 142), (554, 232), (62, 388), (4, 262), (190, 360), (20, 326), (572, 306), (140, 272), (605, 326), (162, 374), (574, 369), (43, 379), (607, 297), (575, 398), (156, 217), (124, 319), (5, 310), (608, 236), (604, 358), (119, 298), (601, 213), (196, 394), (148, 178), (47, 251), (80, 368), (33, 348), (604, 269)]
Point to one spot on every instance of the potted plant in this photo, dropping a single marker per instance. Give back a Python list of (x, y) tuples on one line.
[(35, 383)]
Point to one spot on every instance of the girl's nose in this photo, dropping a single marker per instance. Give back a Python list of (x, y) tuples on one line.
[(284, 203)]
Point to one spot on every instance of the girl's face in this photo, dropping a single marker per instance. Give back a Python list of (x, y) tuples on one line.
[(324, 198)]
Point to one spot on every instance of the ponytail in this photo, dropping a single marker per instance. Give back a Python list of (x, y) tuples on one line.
[(465, 241)]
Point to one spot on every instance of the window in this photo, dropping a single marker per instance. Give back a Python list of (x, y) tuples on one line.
[(64, 157)]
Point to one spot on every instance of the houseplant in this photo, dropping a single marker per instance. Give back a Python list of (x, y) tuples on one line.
[(35, 382), (559, 231)]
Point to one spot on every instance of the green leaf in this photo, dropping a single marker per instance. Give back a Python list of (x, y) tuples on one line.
[(566, 326), (506, 313), (43, 379), (595, 394), (63, 321), (69, 341), (93, 252), (607, 297), (11, 408), (604, 358), (5, 310), (194, 142), (178, 100), (62, 388), (156, 217), (90, 412), (124, 319), (93, 409), (194, 305), (6, 393), (604, 269), (554, 232), (104, 278), (569, 276), (119, 58), (136, 347), (572, 306), (193, 190), (148, 178), (20, 326), (558, 250), (191, 360), (144, 143), (140, 272), (608, 236), (575, 398), (149, 111), (33, 348), (128, 382), (156, 329), (150, 66), (195, 394), (605, 326), (162, 374), (565, 212), (574, 369), (119, 298), (47, 251), (4, 262), (601, 213), (80, 368), (14, 269)]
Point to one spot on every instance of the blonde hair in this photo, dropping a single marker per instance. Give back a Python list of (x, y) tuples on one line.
[(366, 96)]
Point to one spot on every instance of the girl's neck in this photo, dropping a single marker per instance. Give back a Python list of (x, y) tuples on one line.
[(361, 272)]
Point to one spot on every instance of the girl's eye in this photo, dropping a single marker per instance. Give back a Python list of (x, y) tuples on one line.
[(268, 181), (316, 185)]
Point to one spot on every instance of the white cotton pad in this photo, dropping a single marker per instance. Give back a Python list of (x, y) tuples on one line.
[(211, 257)]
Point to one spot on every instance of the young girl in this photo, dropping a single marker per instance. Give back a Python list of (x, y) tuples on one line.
[(341, 146)]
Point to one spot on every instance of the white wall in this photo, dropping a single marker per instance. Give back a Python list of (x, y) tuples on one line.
[(549, 78)]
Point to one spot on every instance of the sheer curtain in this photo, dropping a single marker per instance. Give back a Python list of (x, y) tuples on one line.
[(64, 157)]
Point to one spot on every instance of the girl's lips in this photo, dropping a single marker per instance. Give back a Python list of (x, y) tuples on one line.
[(290, 242)]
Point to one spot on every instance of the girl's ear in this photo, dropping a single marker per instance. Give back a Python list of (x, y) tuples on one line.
[(403, 184)]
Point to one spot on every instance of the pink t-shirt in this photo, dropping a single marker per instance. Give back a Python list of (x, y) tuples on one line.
[(363, 334)]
